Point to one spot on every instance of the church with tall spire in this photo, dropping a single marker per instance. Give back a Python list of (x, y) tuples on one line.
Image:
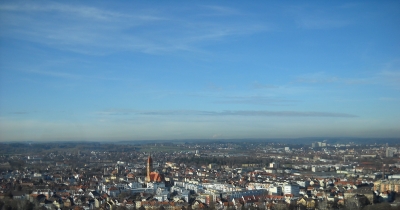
[(152, 176), (149, 168)]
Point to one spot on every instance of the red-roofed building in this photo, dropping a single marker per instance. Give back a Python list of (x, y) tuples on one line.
[(151, 175)]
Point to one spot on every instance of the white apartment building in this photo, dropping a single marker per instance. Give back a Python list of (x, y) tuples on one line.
[(291, 188)]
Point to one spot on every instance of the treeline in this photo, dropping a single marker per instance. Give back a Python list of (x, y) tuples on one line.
[(229, 161), (31, 148)]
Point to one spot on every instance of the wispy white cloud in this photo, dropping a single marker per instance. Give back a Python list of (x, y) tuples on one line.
[(215, 136), (214, 87), (98, 31), (64, 75), (382, 78), (323, 78), (47, 69), (391, 77), (318, 23), (226, 113), (391, 99), (214, 10), (315, 17), (258, 85), (177, 129), (260, 100), (76, 11), (20, 113)]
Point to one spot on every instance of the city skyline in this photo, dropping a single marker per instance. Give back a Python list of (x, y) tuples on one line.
[(198, 70)]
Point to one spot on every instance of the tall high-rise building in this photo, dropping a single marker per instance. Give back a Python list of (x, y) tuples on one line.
[(319, 144), (390, 151)]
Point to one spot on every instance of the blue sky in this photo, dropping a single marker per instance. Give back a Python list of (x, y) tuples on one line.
[(137, 70)]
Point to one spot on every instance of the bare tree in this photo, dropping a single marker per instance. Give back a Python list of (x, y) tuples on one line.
[(352, 204), (322, 204)]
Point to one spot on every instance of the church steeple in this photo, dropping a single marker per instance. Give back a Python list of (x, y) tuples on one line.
[(149, 168)]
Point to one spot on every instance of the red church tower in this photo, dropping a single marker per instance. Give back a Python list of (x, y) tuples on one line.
[(149, 168), (152, 176)]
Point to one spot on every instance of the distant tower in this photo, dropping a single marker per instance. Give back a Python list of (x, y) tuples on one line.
[(390, 151), (149, 168)]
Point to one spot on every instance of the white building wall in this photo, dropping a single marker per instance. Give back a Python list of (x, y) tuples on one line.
[(291, 189)]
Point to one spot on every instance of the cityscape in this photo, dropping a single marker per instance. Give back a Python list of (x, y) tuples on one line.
[(255, 174), (199, 105)]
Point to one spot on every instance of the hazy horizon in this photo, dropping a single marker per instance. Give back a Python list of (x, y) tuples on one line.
[(100, 70)]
